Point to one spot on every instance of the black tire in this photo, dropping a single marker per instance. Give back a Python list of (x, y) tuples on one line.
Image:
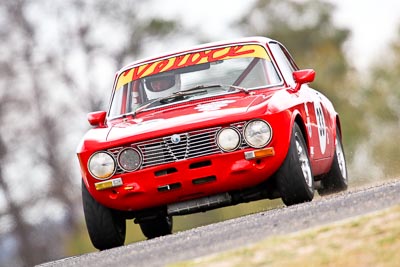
[(336, 179), (106, 228), (157, 227), (294, 178)]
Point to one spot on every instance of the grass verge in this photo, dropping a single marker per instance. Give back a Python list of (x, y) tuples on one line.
[(370, 240)]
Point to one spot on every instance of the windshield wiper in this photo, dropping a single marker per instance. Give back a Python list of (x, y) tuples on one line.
[(163, 100), (205, 86), (181, 95), (197, 88), (245, 90), (171, 98)]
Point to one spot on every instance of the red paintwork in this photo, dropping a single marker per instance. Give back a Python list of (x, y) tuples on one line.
[(303, 76), (97, 118), (279, 106)]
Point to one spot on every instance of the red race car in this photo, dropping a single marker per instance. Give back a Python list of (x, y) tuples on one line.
[(212, 126)]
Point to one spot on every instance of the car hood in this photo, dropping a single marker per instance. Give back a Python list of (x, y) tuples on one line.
[(187, 116)]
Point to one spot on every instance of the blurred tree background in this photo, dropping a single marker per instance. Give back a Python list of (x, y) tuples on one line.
[(306, 28), (380, 102), (57, 61)]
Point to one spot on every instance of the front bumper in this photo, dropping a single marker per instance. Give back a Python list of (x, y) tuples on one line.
[(186, 179)]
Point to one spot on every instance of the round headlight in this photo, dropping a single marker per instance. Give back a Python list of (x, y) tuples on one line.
[(101, 165), (129, 159), (257, 133), (228, 139)]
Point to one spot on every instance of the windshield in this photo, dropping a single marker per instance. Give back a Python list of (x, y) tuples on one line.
[(192, 76)]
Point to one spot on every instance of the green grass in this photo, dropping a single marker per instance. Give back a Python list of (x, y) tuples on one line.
[(370, 240)]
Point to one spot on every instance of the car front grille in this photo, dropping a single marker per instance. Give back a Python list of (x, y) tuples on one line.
[(191, 145), (178, 147)]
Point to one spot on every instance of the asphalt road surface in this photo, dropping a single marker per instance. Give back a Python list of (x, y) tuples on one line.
[(242, 231)]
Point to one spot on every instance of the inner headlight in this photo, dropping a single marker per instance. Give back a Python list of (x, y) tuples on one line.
[(228, 139), (257, 133), (101, 165), (129, 159)]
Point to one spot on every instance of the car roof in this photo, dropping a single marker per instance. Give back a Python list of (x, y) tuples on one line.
[(243, 40)]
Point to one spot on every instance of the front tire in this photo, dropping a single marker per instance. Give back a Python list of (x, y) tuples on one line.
[(107, 229), (294, 178), (336, 179), (157, 227)]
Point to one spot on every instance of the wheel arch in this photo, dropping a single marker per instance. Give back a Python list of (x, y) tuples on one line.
[(300, 122), (338, 126)]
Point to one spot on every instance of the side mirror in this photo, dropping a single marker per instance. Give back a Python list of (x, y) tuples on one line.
[(97, 118), (302, 77)]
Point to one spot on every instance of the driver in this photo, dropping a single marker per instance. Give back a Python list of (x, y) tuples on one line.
[(162, 85)]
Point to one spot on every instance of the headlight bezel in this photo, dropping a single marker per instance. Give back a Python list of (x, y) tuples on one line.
[(138, 165), (239, 141), (253, 144), (107, 175)]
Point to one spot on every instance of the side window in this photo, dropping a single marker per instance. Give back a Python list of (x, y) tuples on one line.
[(285, 63)]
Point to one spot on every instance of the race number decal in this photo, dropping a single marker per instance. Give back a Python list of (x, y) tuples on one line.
[(319, 115)]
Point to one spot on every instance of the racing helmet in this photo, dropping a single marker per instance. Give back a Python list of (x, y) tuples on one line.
[(162, 85)]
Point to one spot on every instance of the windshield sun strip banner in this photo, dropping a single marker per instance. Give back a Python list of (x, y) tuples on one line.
[(189, 59)]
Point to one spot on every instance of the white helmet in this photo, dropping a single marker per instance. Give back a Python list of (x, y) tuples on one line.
[(162, 85)]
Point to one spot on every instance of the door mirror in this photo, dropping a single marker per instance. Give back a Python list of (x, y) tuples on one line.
[(97, 118), (303, 76)]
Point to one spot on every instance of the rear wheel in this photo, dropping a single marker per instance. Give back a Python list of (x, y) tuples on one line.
[(159, 226), (294, 178), (336, 179), (105, 226)]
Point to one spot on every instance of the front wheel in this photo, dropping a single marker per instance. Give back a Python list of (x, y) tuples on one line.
[(294, 178), (159, 226), (336, 179), (106, 227)]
